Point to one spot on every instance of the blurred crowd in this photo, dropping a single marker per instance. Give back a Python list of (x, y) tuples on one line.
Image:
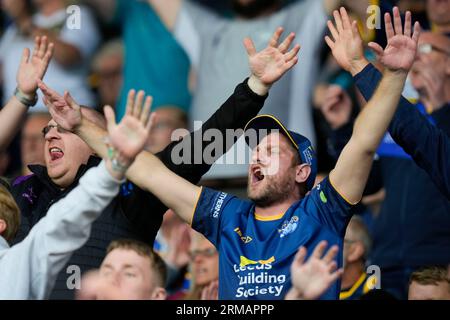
[(188, 54)]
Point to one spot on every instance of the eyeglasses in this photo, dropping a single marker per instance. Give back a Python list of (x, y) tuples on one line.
[(206, 253), (426, 48), (47, 129)]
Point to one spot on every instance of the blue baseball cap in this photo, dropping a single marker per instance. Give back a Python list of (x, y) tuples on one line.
[(300, 143)]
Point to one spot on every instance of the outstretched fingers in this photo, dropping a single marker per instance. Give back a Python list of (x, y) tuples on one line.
[(130, 102), (276, 37), (319, 249), (397, 21), (284, 46), (388, 26), (333, 30), (345, 19), (138, 104), (299, 258), (145, 114), (42, 48), (416, 32), (338, 21), (331, 254), (407, 28), (292, 54)]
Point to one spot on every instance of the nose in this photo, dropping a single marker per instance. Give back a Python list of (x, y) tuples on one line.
[(52, 134)]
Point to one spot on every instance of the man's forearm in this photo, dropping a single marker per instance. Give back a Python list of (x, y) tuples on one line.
[(94, 136), (374, 119), (11, 117), (178, 194)]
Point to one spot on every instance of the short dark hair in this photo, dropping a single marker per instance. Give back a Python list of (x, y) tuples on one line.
[(144, 250), (431, 275)]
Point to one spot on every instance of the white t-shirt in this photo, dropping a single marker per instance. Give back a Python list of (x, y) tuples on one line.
[(214, 45), (59, 78)]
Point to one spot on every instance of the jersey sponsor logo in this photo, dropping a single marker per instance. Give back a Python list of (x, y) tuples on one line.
[(245, 239), (245, 261), (288, 226), (218, 204), (257, 278)]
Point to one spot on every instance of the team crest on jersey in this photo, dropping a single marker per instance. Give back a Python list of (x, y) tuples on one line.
[(245, 239), (288, 227)]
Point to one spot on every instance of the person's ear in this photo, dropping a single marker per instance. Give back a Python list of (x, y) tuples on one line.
[(3, 226), (302, 173), (159, 294), (356, 251)]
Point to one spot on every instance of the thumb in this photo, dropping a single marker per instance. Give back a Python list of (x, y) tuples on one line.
[(110, 117), (376, 48)]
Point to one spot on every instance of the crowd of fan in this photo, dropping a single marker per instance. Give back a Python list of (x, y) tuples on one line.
[(188, 55)]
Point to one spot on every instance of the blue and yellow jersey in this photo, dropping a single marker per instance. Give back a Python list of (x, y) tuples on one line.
[(255, 253), (363, 285)]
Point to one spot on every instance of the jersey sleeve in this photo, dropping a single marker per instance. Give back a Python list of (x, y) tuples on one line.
[(329, 207), (211, 212)]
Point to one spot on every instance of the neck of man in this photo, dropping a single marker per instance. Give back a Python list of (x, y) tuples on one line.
[(352, 272), (275, 209)]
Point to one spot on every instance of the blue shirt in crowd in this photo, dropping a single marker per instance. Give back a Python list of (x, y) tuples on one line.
[(154, 61), (255, 253)]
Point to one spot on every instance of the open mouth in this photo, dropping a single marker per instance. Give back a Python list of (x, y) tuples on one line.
[(257, 175), (55, 153)]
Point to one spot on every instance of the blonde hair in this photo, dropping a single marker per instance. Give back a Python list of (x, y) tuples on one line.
[(157, 264), (10, 213)]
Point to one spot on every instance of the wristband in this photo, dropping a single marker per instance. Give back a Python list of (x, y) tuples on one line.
[(24, 99)]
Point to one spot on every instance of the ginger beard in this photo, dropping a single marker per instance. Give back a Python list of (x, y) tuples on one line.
[(271, 176)]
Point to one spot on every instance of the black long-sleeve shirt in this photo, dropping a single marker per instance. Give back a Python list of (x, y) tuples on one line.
[(134, 213)]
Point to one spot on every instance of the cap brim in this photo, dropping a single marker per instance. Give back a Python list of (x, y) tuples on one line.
[(268, 122)]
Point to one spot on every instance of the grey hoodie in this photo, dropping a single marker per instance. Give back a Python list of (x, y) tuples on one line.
[(29, 269)]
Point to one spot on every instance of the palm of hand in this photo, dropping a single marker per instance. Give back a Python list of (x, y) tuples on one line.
[(349, 49), (128, 137), (312, 278), (29, 73), (268, 65), (399, 53)]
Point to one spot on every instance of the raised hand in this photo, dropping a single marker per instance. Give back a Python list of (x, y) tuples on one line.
[(33, 68), (64, 109), (270, 64), (128, 138), (401, 48), (311, 278), (347, 46)]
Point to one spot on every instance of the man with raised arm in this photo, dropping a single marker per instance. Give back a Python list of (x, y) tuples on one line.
[(28, 270), (414, 213), (257, 239), (134, 213), (32, 68), (427, 144)]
